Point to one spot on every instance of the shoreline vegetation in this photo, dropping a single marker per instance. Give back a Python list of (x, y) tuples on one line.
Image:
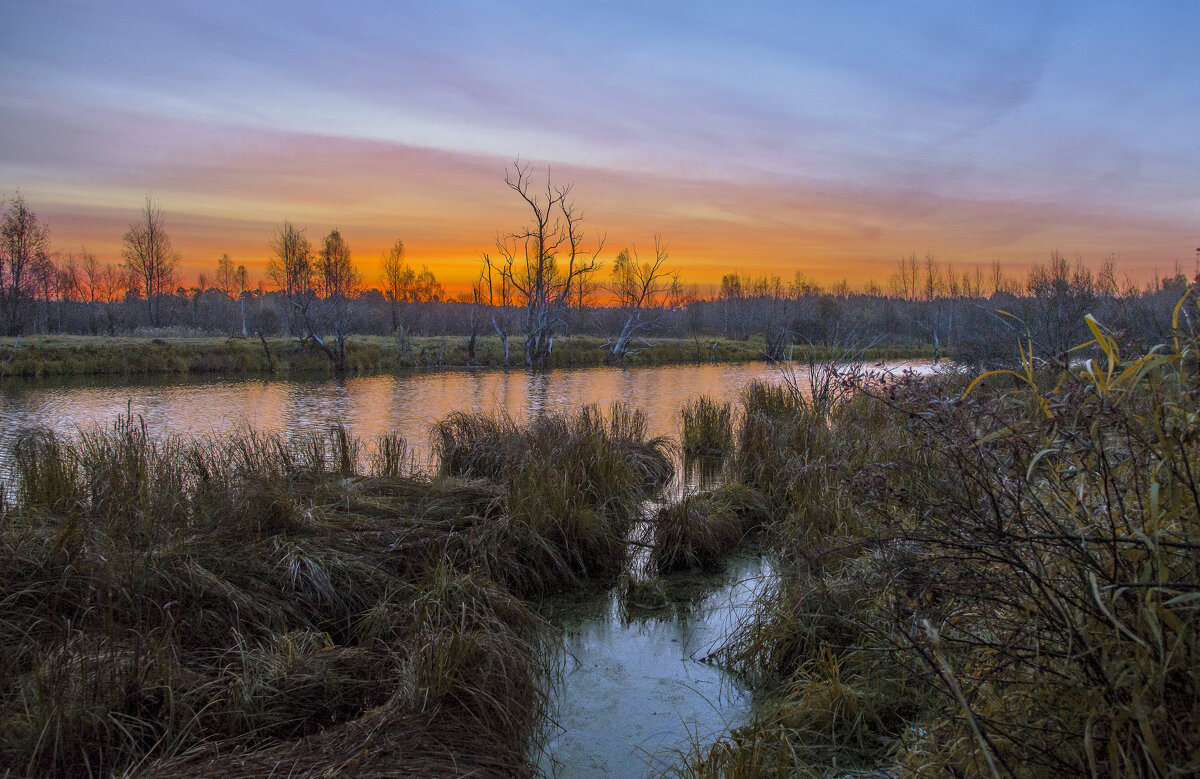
[(46, 356), (989, 577), (252, 604)]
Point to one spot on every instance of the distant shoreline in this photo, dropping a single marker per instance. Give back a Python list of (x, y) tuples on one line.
[(50, 356)]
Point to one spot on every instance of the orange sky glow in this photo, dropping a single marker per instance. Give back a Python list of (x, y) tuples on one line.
[(762, 139)]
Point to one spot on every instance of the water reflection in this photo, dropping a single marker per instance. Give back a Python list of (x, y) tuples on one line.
[(635, 686), (368, 406)]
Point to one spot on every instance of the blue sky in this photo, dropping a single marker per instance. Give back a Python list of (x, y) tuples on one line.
[(827, 137)]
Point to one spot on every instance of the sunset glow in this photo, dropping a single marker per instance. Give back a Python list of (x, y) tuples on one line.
[(806, 137)]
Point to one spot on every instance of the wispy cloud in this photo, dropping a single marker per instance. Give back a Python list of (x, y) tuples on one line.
[(811, 135)]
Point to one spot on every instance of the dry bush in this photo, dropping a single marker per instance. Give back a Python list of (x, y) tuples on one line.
[(1007, 584)]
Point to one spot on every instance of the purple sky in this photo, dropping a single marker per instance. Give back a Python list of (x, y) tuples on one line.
[(830, 138)]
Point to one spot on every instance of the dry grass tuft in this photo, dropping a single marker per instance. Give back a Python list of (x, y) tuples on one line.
[(707, 428)]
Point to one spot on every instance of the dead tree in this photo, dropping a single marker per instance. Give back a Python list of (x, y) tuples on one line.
[(496, 292), (290, 267), (545, 261)]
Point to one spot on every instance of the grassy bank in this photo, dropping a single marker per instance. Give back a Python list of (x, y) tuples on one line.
[(255, 605), (995, 582), (40, 356)]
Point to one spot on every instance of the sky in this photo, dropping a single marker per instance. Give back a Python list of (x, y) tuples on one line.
[(826, 138)]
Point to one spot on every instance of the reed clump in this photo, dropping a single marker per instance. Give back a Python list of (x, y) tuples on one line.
[(707, 428), (573, 483), (700, 531), (233, 606), (1005, 585)]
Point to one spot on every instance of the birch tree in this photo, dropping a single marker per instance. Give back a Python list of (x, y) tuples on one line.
[(645, 292)]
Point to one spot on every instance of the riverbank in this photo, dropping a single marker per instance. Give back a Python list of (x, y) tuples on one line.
[(60, 355), (989, 578)]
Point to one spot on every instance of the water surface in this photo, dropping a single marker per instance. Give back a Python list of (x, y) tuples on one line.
[(368, 406)]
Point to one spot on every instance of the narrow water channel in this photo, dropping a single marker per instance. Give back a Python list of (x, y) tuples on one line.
[(635, 689)]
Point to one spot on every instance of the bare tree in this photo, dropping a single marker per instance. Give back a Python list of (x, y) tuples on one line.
[(904, 281), (644, 292), (773, 311), (291, 269), (496, 289), (473, 301), (403, 286), (545, 261), (108, 286), (226, 275), (24, 243), (90, 284), (69, 283), (338, 282), (1062, 295), (318, 292), (232, 281), (149, 257), (934, 285), (733, 309), (397, 278)]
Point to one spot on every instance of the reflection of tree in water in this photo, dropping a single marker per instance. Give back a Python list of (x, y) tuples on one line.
[(538, 394)]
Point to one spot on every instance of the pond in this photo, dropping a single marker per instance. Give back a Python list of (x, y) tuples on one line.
[(633, 685)]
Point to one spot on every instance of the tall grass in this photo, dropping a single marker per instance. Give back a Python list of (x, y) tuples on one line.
[(997, 581), (244, 605), (707, 427), (700, 531), (574, 483)]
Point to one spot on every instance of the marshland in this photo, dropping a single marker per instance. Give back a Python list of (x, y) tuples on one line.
[(864, 571), (599, 389)]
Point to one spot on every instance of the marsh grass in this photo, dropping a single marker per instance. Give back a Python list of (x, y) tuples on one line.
[(573, 482), (992, 579), (707, 427), (231, 606), (700, 531)]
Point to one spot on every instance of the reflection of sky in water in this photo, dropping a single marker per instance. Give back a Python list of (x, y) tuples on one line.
[(633, 690), (368, 406), (371, 405)]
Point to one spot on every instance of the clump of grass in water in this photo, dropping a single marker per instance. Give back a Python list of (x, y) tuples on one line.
[(573, 485), (700, 531), (707, 427)]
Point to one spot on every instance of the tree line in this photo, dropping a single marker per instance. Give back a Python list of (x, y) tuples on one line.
[(545, 280)]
